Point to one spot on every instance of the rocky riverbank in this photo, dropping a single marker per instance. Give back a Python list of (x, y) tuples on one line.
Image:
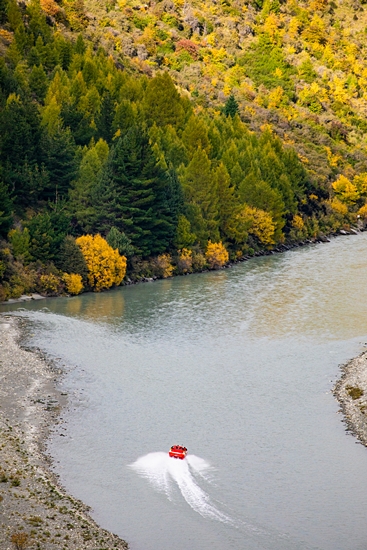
[(35, 511), (351, 392)]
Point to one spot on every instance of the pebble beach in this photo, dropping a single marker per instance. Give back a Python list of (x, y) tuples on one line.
[(35, 511)]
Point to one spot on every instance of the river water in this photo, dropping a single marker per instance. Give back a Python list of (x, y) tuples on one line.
[(238, 366)]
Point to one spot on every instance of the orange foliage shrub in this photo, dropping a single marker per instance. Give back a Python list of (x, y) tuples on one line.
[(189, 46), (73, 283), (105, 265), (163, 263), (216, 255), (50, 7)]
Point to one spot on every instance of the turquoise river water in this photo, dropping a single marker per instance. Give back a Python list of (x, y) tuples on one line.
[(238, 366)]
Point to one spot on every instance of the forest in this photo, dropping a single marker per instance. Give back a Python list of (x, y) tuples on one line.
[(146, 140)]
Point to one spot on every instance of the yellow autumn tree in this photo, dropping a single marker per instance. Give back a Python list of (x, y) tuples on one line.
[(338, 206), (216, 255), (362, 212), (73, 282), (262, 224), (105, 265), (345, 190)]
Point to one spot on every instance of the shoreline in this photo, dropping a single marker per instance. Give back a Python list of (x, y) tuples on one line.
[(280, 249), (33, 505), (351, 393)]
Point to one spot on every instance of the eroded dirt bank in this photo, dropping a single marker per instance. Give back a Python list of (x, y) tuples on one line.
[(35, 512)]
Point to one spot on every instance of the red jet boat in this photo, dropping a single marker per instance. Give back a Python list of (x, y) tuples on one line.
[(177, 451)]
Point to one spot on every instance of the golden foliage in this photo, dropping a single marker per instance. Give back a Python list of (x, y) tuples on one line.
[(49, 284), (105, 265), (5, 35), (360, 181), (345, 190), (262, 225), (73, 282), (362, 212), (338, 206), (50, 7), (298, 222), (216, 255), (185, 260)]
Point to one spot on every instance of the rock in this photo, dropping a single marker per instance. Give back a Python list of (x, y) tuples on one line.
[(343, 232), (25, 298), (37, 297), (353, 231)]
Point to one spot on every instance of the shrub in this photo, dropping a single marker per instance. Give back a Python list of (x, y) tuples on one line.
[(216, 255), (164, 265), (198, 261), (184, 263), (20, 540), (73, 282), (355, 392), (105, 265), (49, 284)]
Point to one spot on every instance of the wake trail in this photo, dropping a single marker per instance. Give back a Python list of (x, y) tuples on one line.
[(164, 472)]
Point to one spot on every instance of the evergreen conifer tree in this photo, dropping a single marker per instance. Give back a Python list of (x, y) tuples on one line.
[(60, 161), (70, 258), (106, 118), (162, 103), (132, 195), (231, 107), (118, 239), (6, 206), (200, 192)]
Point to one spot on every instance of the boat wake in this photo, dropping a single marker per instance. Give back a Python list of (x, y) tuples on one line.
[(165, 474)]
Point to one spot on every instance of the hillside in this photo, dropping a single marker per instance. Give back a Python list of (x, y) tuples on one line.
[(183, 134)]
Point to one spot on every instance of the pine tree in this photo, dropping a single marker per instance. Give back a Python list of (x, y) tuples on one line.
[(195, 136), (132, 195), (231, 107), (200, 192), (60, 161), (118, 239), (38, 82), (106, 118), (70, 258), (81, 194), (226, 198), (162, 103), (20, 134), (6, 207)]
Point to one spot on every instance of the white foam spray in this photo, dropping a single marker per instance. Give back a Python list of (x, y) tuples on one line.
[(164, 473)]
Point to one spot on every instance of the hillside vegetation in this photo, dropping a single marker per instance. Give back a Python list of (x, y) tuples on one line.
[(167, 137)]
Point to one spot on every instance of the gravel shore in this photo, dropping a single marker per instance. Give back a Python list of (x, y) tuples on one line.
[(35, 511), (351, 392)]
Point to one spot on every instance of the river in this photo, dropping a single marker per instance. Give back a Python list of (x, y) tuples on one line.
[(238, 366)]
